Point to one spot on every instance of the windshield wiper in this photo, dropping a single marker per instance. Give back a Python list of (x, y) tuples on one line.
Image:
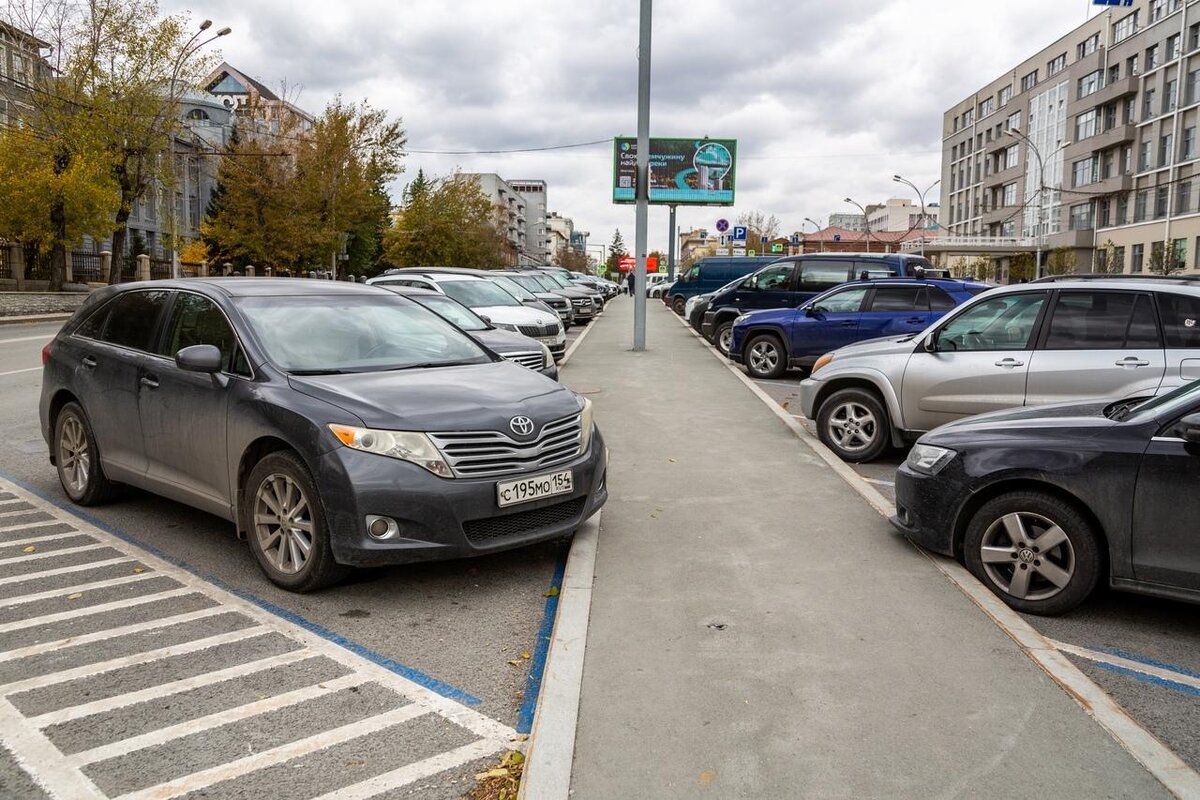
[(307, 372), (428, 365)]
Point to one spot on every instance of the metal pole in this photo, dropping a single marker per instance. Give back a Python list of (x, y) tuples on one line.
[(643, 178), (671, 245)]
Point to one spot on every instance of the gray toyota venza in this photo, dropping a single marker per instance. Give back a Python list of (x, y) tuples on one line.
[(337, 425)]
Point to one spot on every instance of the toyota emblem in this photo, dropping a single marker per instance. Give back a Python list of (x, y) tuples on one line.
[(522, 426)]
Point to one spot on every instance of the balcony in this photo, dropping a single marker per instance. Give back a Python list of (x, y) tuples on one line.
[(1118, 134), (1113, 91), (1113, 184), (1004, 176), (1074, 239)]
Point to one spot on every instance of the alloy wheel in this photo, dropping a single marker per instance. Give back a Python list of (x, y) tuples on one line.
[(853, 427), (283, 523), (764, 357), (724, 339), (1028, 556), (74, 457)]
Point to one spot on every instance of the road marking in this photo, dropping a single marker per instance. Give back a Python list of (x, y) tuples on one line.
[(9, 602), (87, 611), (20, 526), (413, 772), (879, 481), (19, 371), (1161, 674), (35, 539), (1158, 759), (39, 556), (47, 573), (45, 763), (14, 340)]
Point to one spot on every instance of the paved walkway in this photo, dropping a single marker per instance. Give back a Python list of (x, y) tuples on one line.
[(758, 631)]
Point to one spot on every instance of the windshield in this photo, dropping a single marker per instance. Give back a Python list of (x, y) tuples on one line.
[(478, 294), (530, 282), (1172, 402), (554, 279), (450, 309), (512, 287), (314, 334)]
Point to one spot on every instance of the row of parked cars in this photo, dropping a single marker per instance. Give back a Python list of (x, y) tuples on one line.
[(337, 425), (1052, 427)]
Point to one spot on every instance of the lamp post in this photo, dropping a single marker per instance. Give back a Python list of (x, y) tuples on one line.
[(1039, 227), (815, 224), (866, 222), (921, 196)]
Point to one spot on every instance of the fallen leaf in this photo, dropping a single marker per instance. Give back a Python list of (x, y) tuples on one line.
[(521, 737), (525, 655), (498, 772), (30, 549), (75, 596), (139, 570), (786, 404), (707, 776), (513, 758), (516, 662), (551, 592)]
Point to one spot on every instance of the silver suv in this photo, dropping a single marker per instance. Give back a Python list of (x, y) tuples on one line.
[(1057, 340)]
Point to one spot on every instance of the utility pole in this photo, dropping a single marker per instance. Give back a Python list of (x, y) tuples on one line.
[(643, 179), (671, 244), (866, 222)]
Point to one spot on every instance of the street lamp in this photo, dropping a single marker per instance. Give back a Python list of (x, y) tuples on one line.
[(815, 224), (866, 222), (921, 195), (1039, 228)]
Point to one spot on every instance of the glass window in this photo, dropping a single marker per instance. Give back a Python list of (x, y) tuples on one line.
[(1010, 194), (134, 319), (450, 309), (1087, 124), (1138, 254), (940, 299), (1089, 45), (818, 275), (196, 320), (92, 326), (899, 298), (1091, 83), (477, 294), (1029, 81), (1181, 319), (1101, 321), (1125, 27), (845, 301), (1005, 95), (1001, 323), (1152, 57), (770, 279), (1057, 65)]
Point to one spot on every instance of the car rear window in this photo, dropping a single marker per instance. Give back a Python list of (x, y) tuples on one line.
[(899, 298), (1180, 319), (940, 299), (1102, 321), (134, 319)]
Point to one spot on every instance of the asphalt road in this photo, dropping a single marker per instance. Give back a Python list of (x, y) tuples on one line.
[(1112, 638), (469, 629)]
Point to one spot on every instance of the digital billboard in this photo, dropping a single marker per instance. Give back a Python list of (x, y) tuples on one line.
[(698, 172)]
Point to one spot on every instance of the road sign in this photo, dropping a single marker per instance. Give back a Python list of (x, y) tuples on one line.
[(751, 253), (777, 248), (739, 233), (721, 251), (722, 225), (795, 238)]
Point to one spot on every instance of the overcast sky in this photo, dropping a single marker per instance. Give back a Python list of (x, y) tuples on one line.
[(827, 99)]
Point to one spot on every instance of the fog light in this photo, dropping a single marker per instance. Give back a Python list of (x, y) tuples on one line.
[(381, 527)]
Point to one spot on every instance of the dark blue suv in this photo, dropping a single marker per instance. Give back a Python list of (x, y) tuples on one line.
[(790, 282), (768, 342)]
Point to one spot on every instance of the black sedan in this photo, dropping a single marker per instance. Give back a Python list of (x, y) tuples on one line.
[(335, 424), (1043, 503)]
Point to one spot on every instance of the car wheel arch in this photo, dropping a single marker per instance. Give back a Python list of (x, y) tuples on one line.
[(769, 330), (890, 402), (60, 399), (254, 452)]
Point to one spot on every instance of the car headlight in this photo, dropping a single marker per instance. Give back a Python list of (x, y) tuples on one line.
[(586, 423), (507, 326), (823, 361), (415, 448), (547, 356), (929, 459)]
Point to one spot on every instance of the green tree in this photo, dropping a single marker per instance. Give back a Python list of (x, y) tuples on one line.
[(1165, 259), (572, 259), (446, 222), (1021, 267), (616, 251), (1106, 258), (1061, 261)]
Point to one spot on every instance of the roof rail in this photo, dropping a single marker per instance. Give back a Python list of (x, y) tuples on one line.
[(1102, 276)]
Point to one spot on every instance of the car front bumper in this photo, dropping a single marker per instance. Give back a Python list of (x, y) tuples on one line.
[(927, 506), (442, 518), (809, 389)]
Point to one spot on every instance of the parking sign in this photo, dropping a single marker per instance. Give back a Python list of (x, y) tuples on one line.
[(739, 233)]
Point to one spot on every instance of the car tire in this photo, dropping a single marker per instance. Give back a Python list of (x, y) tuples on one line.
[(280, 490), (854, 424), (764, 356), (721, 335), (678, 305), (77, 458), (1034, 579)]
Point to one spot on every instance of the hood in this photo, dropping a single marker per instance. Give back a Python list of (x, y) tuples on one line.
[(878, 347), (1059, 420), (766, 316), (501, 341), (475, 397), (517, 315)]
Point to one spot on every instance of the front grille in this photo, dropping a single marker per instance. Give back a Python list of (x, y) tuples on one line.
[(485, 531), (582, 302), (531, 360), (538, 330), (556, 302), (486, 454)]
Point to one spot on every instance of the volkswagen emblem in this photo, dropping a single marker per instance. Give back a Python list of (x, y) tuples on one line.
[(522, 426)]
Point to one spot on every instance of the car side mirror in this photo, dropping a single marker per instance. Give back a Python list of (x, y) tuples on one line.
[(930, 343), (486, 318), (809, 311), (199, 358), (1189, 428)]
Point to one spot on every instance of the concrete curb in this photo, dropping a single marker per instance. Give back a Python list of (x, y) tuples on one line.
[(1158, 759), (35, 318)]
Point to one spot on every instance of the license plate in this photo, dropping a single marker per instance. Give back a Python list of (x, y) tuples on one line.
[(552, 341), (526, 490)]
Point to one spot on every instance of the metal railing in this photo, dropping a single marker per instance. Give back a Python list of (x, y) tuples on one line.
[(38, 267), (160, 269), (944, 243), (5, 268), (85, 267)]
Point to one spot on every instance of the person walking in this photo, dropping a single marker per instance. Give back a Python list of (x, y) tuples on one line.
[(630, 280)]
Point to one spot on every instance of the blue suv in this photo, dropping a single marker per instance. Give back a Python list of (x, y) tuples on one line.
[(768, 342)]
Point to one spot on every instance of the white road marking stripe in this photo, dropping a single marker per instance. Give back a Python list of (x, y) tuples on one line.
[(879, 481), (29, 525), (1129, 664), (43, 760), (113, 633), (45, 339), (216, 720), (47, 573), (88, 611), (39, 556), (19, 371), (12, 501), (21, 599), (416, 771), (100, 667), (277, 755), (168, 689), (50, 537)]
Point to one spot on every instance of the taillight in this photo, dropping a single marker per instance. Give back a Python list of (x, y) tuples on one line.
[(46, 354)]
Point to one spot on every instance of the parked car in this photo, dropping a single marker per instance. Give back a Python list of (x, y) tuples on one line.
[(769, 342), (542, 302), (1042, 504), (582, 305), (710, 274), (653, 280), (336, 424), (606, 288), (518, 347), (492, 303), (791, 282), (693, 310), (555, 276), (1030, 344), (661, 288)]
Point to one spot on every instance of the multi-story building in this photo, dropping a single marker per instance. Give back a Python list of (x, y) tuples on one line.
[(899, 214), (510, 210), (21, 68), (849, 222), (1090, 144), (538, 246), (251, 99), (559, 232)]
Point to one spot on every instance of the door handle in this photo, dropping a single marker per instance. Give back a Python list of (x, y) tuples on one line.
[(915, 320), (1132, 361), (1009, 363), (849, 323), (88, 362), (149, 381)]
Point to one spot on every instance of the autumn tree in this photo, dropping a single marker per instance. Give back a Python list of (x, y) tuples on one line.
[(1061, 261), (616, 251), (1022, 267), (572, 259), (1164, 259), (759, 226), (445, 222)]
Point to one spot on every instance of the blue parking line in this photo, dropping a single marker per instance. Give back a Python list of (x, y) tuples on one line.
[(1151, 679), (414, 675), (1147, 661), (537, 666)]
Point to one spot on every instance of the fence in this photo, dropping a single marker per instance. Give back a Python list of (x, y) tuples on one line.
[(38, 267), (160, 268), (85, 267), (5, 269)]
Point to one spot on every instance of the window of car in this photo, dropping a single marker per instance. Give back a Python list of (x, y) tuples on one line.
[(133, 320), (817, 275), (940, 299), (845, 301), (999, 323), (873, 269), (769, 279), (1102, 321), (476, 294), (512, 287), (196, 320), (92, 326), (1180, 319), (449, 308), (691, 275), (899, 298)]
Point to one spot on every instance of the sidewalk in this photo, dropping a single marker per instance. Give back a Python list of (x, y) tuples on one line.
[(758, 631)]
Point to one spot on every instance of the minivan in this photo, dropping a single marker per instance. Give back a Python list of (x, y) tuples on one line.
[(790, 282), (710, 274)]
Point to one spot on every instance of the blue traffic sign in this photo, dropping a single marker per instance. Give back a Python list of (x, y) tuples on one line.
[(1112, 2), (722, 225), (795, 238), (739, 233)]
